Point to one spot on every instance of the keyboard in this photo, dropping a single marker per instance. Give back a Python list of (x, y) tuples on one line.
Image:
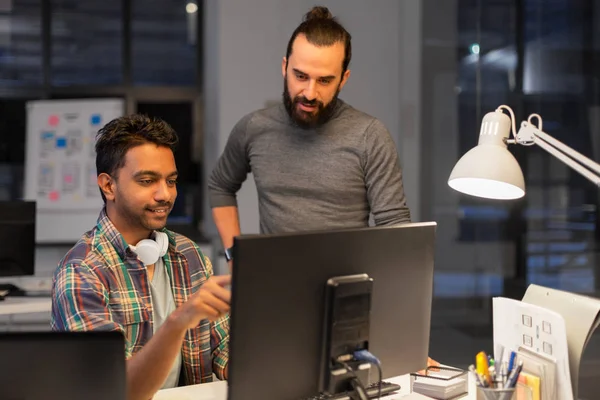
[(10, 290), (372, 392)]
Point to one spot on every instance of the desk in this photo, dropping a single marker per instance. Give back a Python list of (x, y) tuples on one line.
[(25, 305), (218, 391)]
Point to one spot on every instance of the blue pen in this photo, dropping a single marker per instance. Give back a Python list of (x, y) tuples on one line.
[(511, 362), (511, 382)]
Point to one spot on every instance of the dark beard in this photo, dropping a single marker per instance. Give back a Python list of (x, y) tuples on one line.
[(307, 120)]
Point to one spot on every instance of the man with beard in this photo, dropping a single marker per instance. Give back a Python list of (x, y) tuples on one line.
[(130, 274), (318, 163)]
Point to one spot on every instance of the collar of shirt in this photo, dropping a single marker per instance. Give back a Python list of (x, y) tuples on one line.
[(110, 232)]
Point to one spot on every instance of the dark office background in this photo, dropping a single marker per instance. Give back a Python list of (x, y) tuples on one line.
[(539, 56), (144, 51)]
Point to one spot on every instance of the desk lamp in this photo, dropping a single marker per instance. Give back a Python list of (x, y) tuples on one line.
[(489, 170)]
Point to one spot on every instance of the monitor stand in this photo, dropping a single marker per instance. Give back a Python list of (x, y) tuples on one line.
[(8, 289)]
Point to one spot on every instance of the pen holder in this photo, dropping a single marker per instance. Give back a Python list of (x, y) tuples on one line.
[(520, 392), (484, 393)]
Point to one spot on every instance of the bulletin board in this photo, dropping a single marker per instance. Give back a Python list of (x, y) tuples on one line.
[(60, 164)]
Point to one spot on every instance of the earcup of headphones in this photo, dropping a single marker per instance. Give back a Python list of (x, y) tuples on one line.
[(150, 250), (147, 251), (162, 240)]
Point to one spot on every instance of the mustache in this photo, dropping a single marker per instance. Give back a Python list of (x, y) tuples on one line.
[(166, 204), (304, 100)]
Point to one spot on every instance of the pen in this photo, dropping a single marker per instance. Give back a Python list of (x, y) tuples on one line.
[(514, 375), (503, 373), (477, 377), (511, 362), (492, 371), (500, 354)]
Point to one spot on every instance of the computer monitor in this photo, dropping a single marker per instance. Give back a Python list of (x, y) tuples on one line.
[(62, 365), (17, 238), (277, 310)]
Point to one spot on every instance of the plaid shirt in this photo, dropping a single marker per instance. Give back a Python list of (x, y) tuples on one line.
[(101, 285)]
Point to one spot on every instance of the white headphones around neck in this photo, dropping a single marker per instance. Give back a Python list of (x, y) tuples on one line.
[(150, 250)]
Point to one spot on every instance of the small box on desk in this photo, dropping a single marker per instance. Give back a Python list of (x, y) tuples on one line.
[(442, 383)]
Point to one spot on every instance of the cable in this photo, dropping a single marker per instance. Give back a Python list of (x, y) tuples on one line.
[(380, 379), (366, 355), (360, 390)]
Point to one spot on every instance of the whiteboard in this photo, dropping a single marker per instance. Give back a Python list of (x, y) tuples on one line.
[(60, 164)]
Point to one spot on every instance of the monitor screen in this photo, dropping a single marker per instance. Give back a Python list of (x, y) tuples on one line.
[(62, 365), (277, 310), (17, 238)]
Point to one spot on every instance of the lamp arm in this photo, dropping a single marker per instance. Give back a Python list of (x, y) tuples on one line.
[(529, 134), (512, 120), (570, 162)]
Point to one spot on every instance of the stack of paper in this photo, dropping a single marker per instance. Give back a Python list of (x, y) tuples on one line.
[(438, 388)]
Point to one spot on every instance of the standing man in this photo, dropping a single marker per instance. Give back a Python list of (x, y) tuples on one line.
[(318, 163), (132, 275)]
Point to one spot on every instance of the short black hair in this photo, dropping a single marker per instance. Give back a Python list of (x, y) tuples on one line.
[(321, 28), (117, 137)]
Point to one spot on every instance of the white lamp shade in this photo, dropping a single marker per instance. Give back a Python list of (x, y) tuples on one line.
[(488, 171)]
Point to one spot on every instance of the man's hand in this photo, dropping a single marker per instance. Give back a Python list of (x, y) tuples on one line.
[(210, 302), (148, 368), (430, 363)]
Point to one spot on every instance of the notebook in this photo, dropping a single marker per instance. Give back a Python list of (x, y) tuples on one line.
[(440, 382)]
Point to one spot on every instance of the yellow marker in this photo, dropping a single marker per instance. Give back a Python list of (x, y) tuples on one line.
[(481, 362)]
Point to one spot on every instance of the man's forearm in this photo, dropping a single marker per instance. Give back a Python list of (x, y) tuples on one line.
[(148, 369), (395, 216), (228, 223)]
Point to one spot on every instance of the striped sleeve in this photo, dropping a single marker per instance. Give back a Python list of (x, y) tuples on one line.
[(219, 331), (79, 301), (219, 341)]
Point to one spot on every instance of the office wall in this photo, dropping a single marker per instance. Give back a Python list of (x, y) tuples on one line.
[(245, 42)]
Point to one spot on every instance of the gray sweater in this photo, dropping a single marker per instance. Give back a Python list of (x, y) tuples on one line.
[(328, 178)]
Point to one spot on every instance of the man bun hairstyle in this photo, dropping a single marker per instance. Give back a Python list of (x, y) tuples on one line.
[(322, 29), (318, 12)]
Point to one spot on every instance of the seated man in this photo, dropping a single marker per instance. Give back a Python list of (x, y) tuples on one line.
[(132, 275)]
